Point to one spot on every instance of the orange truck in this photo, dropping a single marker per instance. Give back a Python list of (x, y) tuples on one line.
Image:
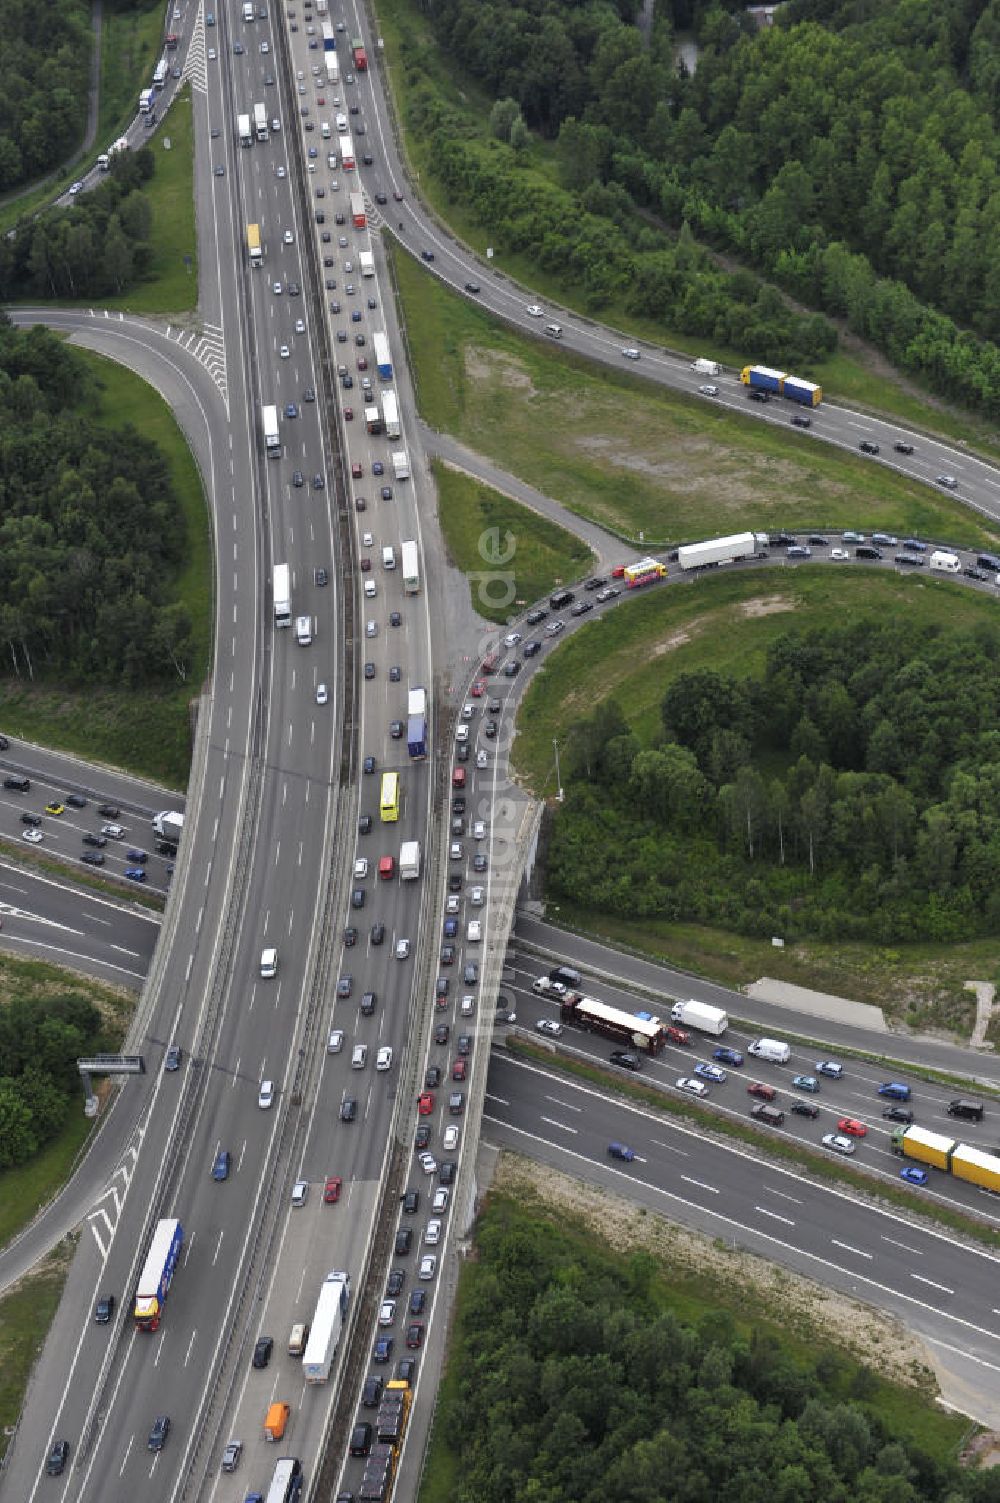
[(276, 1420)]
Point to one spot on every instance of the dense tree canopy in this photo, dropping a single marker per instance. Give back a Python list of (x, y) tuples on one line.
[(45, 52), (91, 533), (853, 790), (40, 1042)]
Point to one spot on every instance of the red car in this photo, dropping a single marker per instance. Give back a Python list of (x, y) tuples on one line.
[(415, 1336), (331, 1190), (425, 1104), (677, 1035), (458, 778), (458, 1069), (765, 1092), (386, 868), (478, 689), (348, 414), (853, 1127), (356, 469)]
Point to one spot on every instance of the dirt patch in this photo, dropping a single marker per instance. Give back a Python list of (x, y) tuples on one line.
[(769, 605), (494, 365), (744, 1279)]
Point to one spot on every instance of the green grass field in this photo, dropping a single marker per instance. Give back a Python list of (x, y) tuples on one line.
[(131, 45), (518, 555), (25, 1316), (633, 458), (149, 732)]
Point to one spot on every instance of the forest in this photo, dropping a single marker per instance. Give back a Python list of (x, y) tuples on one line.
[(92, 536), (96, 246), (40, 1042), (853, 791), (44, 73), (850, 153), (573, 1380)]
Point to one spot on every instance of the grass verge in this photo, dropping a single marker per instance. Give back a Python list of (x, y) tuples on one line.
[(771, 1144), (149, 732), (511, 555), (131, 44), (25, 1316), (414, 62), (635, 459)]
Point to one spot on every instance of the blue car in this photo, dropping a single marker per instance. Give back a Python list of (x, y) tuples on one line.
[(914, 1176), (136, 873), (450, 928), (728, 1056), (621, 1151), (805, 1083), (830, 1068), (895, 1089), (220, 1169), (291, 411), (138, 857), (710, 1072), (383, 1349)]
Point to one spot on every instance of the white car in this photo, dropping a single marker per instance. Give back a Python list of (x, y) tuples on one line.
[(482, 760), (477, 897), (453, 904), (289, 239), (367, 539), (321, 694), (383, 1059), (630, 353), (281, 171), (461, 733), (275, 124), (114, 832), (468, 710), (211, 54), (387, 1312), (432, 1233), (534, 311), (450, 1139), (512, 638), (548, 1026), (265, 1096), (441, 1198), (479, 830), (370, 590), (33, 837), (75, 189), (474, 932), (428, 1163), (709, 391), (428, 1266), (696, 1087), (277, 289), (371, 628), (335, 1042), (838, 1142), (468, 1005), (300, 1192), (300, 326), (361, 866), (284, 352), (840, 554), (402, 949)]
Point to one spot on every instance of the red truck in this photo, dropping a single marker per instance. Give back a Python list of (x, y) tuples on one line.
[(359, 54)]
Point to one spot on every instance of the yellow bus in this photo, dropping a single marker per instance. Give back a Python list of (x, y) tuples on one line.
[(389, 803)]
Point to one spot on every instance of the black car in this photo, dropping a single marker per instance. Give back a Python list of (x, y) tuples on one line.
[(513, 668), (867, 447), (472, 286), (364, 824), (580, 609), (418, 1299), (377, 933), (801, 421), (104, 1310), (626, 1059), (4, 744), (464, 1045), (361, 1439), (781, 540), (397, 1278), (172, 1058), (446, 1172), (421, 1137), (58, 1457), (262, 1351), (426, 255), (756, 395), (350, 936), (533, 617), (902, 448), (75, 800), (396, 729), (442, 1033), (411, 1202), (369, 764), (93, 858), (804, 1109), (897, 1114), (432, 1077), (380, 198), (348, 1109), (320, 576), (109, 811), (158, 1435), (372, 1391), (595, 583), (458, 804), (35, 819), (404, 1241), (368, 1001)]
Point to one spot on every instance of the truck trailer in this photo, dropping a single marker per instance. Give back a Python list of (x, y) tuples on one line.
[(416, 724), (359, 55), (722, 550), (345, 146), (327, 1324), (409, 860), (390, 414), (373, 420), (157, 1274), (146, 99), (960, 1160), (272, 438), (260, 122), (763, 378), (411, 568), (358, 218), (244, 130), (281, 589), (945, 563), (699, 1015), (706, 367), (366, 260), (400, 464), (253, 245), (383, 361), (168, 825)]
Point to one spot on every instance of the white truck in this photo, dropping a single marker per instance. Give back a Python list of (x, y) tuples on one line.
[(272, 438), (411, 569), (945, 563), (243, 130), (114, 150), (544, 986), (401, 464), (366, 260), (706, 367), (722, 550), (327, 1325), (409, 860), (774, 1050), (146, 100), (168, 824), (260, 122), (282, 592), (390, 414), (699, 1015)]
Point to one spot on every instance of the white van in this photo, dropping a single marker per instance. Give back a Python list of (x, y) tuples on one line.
[(247, 10), (474, 932), (388, 558), (359, 1056), (554, 331), (770, 1049), (324, 130), (342, 122), (269, 962), (303, 630)]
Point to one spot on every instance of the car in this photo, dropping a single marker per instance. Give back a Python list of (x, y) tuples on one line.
[(727, 1056), (158, 1434), (238, 49), (136, 874), (913, 1176), (450, 1139), (300, 1193), (867, 447), (709, 391), (395, 619), (428, 1163), (800, 420), (799, 551), (829, 1068), (837, 1142), (383, 1059), (383, 1349), (345, 986), (852, 1126), (756, 395), (104, 1310), (369, 669), (109, 811), (805, 1083), (93, 858), (291, 410), (555, 627), (262, 1351), (432, 1077), (425, 1104), (896, 1090), (710, 1072), (411, 1202), (231, 1455), (284, 352), (300, 327), (427, 255), (479, 864), (75, 800), (897, 1114), (804, 1109), (415, 1332), (265, 1096), (59, 1454), (35, 819), (404, 1241), (387, 1312), (428, 1266), (902, 448), (172, 1058), (322, 694), (55, 808), (223, 1160), (914, 545), (839, 554), (947, 481), (621, 1151), (459, 1069), (402, 949), (348, 1109), (534, 311), (33, 837), (972, 571), (298, 479), (694, 1087)]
